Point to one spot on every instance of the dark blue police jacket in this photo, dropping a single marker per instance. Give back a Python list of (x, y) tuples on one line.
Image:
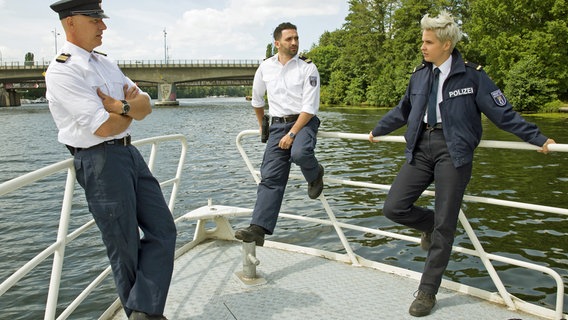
[(467, 92)]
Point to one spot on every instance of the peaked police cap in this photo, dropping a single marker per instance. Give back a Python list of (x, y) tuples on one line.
[(67, 8)]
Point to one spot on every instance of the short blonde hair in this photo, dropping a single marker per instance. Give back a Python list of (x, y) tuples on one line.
[(444, 26)]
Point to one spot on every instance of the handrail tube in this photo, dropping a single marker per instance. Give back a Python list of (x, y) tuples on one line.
[(338, 230), (18, 182), (482, 254), (27, 267), (517, 145), (84, 294), (499, 202)]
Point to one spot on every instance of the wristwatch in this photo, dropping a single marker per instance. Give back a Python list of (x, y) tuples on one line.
[(291, 135), (125, 107)]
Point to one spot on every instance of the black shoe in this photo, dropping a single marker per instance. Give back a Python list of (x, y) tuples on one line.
[(426, 241), (138, 315), (423, 304), (253, 233), (316, 187)]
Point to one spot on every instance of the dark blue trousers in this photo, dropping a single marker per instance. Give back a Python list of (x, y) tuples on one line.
[(275, 169), (124, 196), (431, 163)]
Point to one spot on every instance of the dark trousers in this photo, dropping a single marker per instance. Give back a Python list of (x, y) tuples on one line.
[(431, 163), (124, 196), (275, 169)]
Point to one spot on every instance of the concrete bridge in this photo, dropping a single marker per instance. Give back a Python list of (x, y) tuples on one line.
[(164, 75)]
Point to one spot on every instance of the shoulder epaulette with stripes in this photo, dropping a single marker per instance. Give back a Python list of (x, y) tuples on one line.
[(63, 57)]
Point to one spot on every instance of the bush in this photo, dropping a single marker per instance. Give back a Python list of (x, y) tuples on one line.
[(527, 87)]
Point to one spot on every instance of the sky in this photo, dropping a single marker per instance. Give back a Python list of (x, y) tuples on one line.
[(194, 29)]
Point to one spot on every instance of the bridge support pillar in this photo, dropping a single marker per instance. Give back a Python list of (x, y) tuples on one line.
[(9, 98), (167, 95)]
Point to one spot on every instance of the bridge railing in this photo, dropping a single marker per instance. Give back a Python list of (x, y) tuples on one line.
[(13, 65), (194, 63)]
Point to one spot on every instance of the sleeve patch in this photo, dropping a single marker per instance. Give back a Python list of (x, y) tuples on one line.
[(499, 98), (313, 81)]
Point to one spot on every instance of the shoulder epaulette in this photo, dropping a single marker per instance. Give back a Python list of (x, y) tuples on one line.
[(477, 67), (306, 59), (102, 54), (63, 57), (418, 67)]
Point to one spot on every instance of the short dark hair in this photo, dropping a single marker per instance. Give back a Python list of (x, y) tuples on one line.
[(283, 26)]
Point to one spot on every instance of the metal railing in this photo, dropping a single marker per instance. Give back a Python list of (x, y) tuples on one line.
[(57, 249), (187, 63), (479, 251)]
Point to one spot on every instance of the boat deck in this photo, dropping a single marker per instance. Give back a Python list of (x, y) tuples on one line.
[(302, 286)]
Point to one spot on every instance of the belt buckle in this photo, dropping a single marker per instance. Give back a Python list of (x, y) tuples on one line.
[(434, 127), (291, 118)]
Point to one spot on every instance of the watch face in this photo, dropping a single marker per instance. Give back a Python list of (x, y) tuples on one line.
[(125, 107)]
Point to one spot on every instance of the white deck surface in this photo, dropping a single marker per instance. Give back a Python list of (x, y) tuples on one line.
[(301, 286)]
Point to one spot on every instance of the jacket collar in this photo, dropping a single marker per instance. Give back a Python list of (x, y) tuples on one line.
[(458, 65)]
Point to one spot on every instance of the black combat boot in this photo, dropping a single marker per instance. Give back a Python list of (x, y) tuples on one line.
[(423, 304), (252, 233)]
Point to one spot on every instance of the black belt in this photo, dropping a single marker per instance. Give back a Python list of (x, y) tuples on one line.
[(125, 141), (437, 126), (285, 119)]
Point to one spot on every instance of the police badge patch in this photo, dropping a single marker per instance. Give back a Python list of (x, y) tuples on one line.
[(499, 98), (313, 81)]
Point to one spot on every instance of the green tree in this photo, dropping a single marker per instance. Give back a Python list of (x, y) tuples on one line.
[(503, 33), (326, 54), (532, 88), (270, 50), (522, 45)]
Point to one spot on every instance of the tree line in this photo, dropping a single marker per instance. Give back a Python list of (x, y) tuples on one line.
[(521, 44)]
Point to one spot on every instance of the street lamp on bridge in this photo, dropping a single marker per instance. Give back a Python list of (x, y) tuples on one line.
[(165, 47), (55, 34)]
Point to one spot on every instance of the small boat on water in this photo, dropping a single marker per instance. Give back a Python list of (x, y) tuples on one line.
[(218, 277)]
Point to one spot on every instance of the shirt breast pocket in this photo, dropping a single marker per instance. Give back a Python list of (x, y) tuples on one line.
[(96, 82)]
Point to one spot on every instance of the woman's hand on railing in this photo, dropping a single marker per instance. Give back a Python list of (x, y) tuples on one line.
[(545, 146), (371, 137)]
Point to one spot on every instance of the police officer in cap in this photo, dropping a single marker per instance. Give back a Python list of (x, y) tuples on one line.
[(93, 105)]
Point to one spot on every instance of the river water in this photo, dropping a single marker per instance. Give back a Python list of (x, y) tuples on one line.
[(214, 169)]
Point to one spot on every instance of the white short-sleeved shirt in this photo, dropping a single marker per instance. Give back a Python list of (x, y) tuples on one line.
[(292, 88), (72, 94)]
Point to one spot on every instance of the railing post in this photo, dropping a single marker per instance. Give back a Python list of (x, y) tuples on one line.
[(59, 254)]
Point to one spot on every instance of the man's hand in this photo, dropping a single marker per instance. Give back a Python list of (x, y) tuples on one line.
[(130, 93), (113, 105), (286, 142)]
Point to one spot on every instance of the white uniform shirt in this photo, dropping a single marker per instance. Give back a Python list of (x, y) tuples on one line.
[(72, 94), (292, 88)]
